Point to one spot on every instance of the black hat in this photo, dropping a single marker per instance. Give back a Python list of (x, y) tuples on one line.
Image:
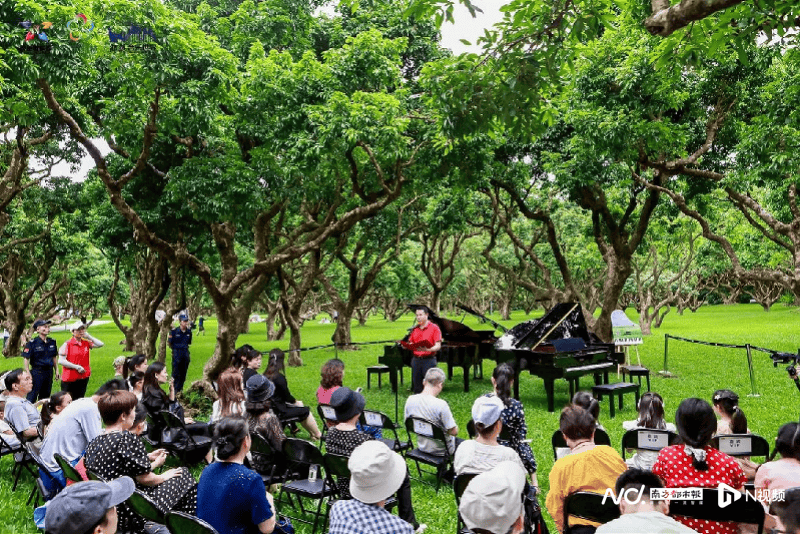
[(347, 403), (40, 322), (259, 388)]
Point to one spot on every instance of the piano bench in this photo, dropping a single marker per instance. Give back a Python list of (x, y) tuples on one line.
[(619, 389), (636, 371), (376, 369)]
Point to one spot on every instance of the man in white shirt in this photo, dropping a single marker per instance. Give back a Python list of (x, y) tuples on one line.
[(428, 406), (639, 513), (71, 432)]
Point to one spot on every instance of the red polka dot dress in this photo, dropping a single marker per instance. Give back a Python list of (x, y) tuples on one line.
[(675, 468)]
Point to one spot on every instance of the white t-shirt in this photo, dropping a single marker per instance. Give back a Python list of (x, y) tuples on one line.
[(216, 410), (436, 410), (71, 432), (476, 458), (644, 523), (8, 436)]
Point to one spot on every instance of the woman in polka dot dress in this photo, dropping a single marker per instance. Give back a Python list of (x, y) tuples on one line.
[(697, 465)]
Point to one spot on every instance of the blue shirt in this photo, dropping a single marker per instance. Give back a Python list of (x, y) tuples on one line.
[(355, 517), (180, 340), (232, 498), (40, 353)]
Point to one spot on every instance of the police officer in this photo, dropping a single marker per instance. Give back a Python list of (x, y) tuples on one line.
[(179, 340), (41, 354)]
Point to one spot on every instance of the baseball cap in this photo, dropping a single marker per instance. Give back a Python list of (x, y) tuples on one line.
[(493, 499), (40, 322), (84, 504), (183, 318), (77, 325), (376, 472), (486, 410)]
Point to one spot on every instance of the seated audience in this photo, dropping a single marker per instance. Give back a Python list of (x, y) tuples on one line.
[(119, 366), (784, 473), (238, 357), (332, 378), (492, 501), (231, 395), (231, 497), (733, 421), (695, 464), (343, 438), (19, 412), (155, 400), (513, 417), (643, 514), (484, 452), (88, 507), (584, 400), (651, 415), (261, 420), (117, 452), (71, 433), (284, 405), (53, 406), (588, 467), (134, 364), (429, 406), (788, 512), (136, 384), (252, 363), (376, 474), (8, 435)]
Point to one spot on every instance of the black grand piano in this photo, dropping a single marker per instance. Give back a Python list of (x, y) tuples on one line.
[(557, 346), (461, 347)]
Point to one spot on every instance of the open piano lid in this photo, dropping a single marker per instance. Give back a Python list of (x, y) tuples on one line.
[(528, 334)]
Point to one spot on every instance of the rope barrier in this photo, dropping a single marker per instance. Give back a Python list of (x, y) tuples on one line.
[(338, 345)]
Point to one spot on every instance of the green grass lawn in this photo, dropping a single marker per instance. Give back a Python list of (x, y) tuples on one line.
[(699, 369)]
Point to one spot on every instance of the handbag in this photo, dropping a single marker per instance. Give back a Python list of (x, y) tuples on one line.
[(283, 526), (534, 522)]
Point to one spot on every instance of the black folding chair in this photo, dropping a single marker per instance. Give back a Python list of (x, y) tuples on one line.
[(557, 441), (183, 523), (385, 423), (267, 456), (741, 445), (460, 484), (731, 505), (69, 471), (145, 507), (22, 458), (589, 506), (189, 449), (429, 430), (328, 417), (647, 439), (302, 455), (35, 465)]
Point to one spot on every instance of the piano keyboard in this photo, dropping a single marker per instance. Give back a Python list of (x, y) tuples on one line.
[(628, 341), (587, 369)]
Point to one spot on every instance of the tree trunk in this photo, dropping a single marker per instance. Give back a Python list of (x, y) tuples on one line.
[(619, 269), (341, 336)]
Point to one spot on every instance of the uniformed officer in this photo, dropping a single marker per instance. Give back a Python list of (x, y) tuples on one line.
[(41, 355), (179, 340)]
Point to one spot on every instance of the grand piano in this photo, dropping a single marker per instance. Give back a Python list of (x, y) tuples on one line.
[(559, 345), (461, 347)]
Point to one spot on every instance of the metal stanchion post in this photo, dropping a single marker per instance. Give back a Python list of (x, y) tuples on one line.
[(752, 372), (665, 372)]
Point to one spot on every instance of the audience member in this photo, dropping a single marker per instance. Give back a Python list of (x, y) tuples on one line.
[(238, 357), (155, 400), (261, 420), (231, 395), (376, 473), (643, 514), (117, 452), (136, 384), (286, 407), (19, 412), (252, 363), (134, 364), (343, 438), (332, 377), (492, 501), (733, 421), (41, 354), (585, 400), (119, 366), (788, 512), (697, 465), (8, 435), (784, 473), (74, 359), (52, 407), (429, 406), (651, 415), (588, 467), (231, 497), (484, 452), (71, 433), (87, 507), (513, 417)]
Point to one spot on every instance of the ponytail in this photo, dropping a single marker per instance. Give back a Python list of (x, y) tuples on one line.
[(503, 376), (651, 411), (738, 421)]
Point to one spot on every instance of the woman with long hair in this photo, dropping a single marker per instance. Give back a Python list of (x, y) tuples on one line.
[(513, 418), (231, 395), (695, 464), (137, 362), (155, 400), (651, 415), (783, 473), (286, 407), (231, 497), (331, 379), (733, 421), (261, 420), (54, 406)]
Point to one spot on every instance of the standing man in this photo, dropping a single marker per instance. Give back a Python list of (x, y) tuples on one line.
[(424, 341), (179, 340), (200, 326), (74, 358), (41, 357)]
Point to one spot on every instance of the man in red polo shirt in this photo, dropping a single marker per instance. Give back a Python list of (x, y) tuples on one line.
[(424, 341)]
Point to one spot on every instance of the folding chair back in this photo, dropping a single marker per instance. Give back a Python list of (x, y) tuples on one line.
[(460, 484), (69, 471), (741, 445), (730, 505), (142, 505), (647, 439), (590, 506), (183, 523), (384, 422), (429, 430), (189, 449), (328, 417), (303, 454), (268, 456)]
